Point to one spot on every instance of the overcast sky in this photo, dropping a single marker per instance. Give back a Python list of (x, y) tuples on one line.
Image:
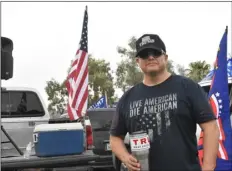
[(46, 35)]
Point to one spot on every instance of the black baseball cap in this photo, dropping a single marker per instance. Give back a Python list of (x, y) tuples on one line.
[(150, 41)]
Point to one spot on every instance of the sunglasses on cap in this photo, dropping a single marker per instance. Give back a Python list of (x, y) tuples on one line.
[(146, 53)]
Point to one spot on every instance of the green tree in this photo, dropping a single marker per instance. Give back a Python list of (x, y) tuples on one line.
[(128, 72), (171, 67), (57, 97), (198, 70), (181, 70), (100, 80), (100, 83)]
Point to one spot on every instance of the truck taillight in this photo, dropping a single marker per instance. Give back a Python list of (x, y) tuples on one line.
[(89, 137)]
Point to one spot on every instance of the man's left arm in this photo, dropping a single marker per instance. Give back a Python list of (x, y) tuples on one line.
[(210, 144), (204, 116)]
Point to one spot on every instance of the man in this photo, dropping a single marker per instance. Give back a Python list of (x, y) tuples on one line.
[(170, 106)]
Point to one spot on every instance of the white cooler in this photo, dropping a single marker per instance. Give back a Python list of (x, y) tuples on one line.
[(58, 139)]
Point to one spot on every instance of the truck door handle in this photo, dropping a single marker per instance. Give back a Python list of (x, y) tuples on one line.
[(31, 123)]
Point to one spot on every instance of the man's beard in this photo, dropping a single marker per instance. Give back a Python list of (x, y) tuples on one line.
[(155, 73)]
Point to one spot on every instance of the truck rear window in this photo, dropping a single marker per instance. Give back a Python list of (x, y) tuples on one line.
[(20, 104), (101, 118)]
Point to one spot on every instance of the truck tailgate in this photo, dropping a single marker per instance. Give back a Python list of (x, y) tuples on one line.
[(101, 120), (48, 162)]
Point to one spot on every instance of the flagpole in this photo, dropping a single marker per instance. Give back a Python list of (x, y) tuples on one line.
[(106, 99), (83, 118)]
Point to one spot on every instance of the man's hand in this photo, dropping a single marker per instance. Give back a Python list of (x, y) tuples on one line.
[(120, 151), (131, 163), (207, 168)]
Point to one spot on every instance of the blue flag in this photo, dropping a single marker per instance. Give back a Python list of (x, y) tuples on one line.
[(209, 76), (229, 67), (219, 100), (101, 103)]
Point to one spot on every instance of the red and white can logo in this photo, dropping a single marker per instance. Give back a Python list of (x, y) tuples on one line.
[(139, 142)]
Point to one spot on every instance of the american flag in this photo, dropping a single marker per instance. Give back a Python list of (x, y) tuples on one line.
[(77, 81), (158, 122)]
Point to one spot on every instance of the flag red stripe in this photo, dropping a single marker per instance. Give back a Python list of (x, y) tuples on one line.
[(79, 66), (77, 70), (223, 150), (221, 128), (77, 52), (67, 85), (73, 72), (219, 155), (84, 99), (70, 112), (69, 88), (75, 62), (79, 87), (214, 108)]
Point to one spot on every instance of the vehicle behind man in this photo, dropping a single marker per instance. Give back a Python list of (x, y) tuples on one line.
[(100, 120), (21, 110)]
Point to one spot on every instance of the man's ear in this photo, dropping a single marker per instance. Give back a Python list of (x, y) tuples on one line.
[(166, 57), (137, 60)]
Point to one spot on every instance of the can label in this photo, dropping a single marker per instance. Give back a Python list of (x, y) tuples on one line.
[(139, 142)]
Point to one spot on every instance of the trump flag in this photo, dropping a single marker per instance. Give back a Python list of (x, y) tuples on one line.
[(219, 100), (101, 103)]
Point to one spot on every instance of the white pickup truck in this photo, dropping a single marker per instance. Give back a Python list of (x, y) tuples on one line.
[(21, 110)]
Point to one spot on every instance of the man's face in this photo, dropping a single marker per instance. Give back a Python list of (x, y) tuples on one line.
[(152, 61)]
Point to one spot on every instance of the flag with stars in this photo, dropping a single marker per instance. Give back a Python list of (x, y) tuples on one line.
[(229, 67), (219, 100), (148, 121), (154, 122), (209, 76), (77, 81)]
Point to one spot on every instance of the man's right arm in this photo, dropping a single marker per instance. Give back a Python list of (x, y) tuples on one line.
[(117, 133), (118, 148)]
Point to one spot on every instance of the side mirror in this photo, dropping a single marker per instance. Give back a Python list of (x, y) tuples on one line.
[(6, 58)]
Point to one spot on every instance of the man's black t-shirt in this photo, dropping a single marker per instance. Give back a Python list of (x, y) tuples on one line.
[(171, 110)]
